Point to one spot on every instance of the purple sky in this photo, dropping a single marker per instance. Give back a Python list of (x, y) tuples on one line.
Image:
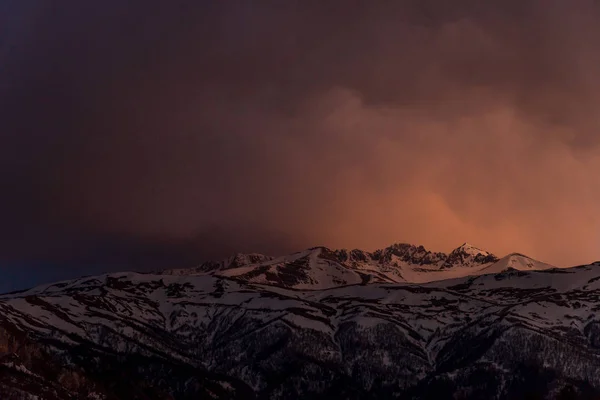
[(143, 134)]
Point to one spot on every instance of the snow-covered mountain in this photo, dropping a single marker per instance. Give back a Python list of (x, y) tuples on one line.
[(513, 333), (321, 268)]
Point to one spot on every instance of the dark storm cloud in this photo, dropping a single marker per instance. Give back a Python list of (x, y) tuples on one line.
[(143, 125)]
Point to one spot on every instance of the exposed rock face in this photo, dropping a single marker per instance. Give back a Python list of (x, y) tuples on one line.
[(511, 334), (468, 255), (415, 255)]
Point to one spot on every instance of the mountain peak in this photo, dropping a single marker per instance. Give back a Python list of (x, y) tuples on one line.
[(471, 249), (468, 255)]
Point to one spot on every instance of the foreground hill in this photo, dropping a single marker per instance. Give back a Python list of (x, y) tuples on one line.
[(506, 335)]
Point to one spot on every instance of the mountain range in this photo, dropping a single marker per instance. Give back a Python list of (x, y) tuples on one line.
[(401, 322), (322, 268)]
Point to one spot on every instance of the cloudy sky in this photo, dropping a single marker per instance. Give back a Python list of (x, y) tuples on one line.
[(146, 134)]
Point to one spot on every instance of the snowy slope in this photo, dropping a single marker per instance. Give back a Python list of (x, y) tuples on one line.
[(515, 261), (226, 338)]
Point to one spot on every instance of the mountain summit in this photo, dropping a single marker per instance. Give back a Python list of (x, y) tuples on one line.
[(468, 255)]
